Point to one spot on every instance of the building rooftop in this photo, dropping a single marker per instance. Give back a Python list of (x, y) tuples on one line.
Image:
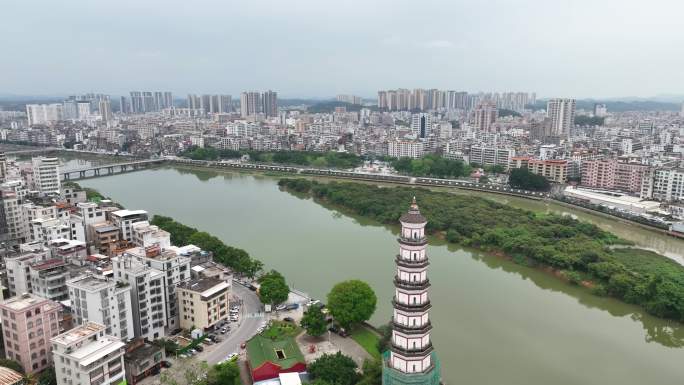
[(205, 286), (142, 352), (9, 376), (282, 352), (78, 333), (89, 282), (128, 213), (25, 301), (105, 229), (50, 263)]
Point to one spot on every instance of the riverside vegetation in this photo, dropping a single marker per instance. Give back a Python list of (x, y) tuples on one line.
[(580, 252)]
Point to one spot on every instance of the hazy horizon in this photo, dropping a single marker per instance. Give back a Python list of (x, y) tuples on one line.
[(316, 49)]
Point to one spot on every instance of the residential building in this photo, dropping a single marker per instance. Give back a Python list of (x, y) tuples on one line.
[(399, 148), (12, 225), (142, 360), (491, 156), (613, 175), (3, 167), (147, 296), (48, 279), (86, 355), (46, 175), (124, 220), (105, 301), (175, 270), (203, 303), (17, 268), (665, 184), (105, 237), (553, 170), (484, 116), (421, 124), (145, 234), (28, 322), (269, 100), (561, 112), (250, 103), (44, 113)]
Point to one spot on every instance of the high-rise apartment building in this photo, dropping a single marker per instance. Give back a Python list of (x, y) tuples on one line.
[(44, 113), (147, 296), (491, 156), (3, 167), (250, 103), (484, 116), (87, 355), (46, 175), (561, 113), (421, 124), (269, 100), (28, 323), (98, 299)]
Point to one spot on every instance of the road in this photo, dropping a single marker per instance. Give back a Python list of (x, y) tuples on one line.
[(251, 317)]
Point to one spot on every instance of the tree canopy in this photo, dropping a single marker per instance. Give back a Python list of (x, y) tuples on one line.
[(335, 369), (527, 180), (273, 289), (14, 365), (351, 302), (432, 165), (314, 321)]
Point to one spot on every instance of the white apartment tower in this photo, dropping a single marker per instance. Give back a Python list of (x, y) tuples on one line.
[(46, 175), (107, 302), (561, 113)]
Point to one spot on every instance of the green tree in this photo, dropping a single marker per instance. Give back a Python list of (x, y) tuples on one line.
[(170, 346), (226, 373), (47, 377), (372, 373), (14, 365), (314, 321), (336, 369), (351, 302), (273, 289), (524, 179)]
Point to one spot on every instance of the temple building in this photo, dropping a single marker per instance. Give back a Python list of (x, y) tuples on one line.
[(411, 358)]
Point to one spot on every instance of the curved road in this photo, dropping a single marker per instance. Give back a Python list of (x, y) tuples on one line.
[(251, 317)]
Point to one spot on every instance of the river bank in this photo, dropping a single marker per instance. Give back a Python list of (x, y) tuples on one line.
[(576, 249)]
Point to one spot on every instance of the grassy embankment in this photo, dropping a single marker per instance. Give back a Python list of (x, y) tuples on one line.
[(576, 251)]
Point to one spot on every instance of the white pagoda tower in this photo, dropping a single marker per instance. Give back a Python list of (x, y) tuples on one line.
[(411, 359)]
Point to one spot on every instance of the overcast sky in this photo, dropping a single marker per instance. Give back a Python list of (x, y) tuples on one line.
[(319, 48)]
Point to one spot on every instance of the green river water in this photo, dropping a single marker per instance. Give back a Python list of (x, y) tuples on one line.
[(495, 322)]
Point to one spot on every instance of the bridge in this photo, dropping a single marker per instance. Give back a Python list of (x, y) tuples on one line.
[(33, 151), (109, 169)]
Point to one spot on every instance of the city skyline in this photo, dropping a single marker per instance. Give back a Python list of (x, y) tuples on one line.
[(323, 56)]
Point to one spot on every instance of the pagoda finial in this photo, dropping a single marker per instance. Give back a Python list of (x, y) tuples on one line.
[(414, 205)]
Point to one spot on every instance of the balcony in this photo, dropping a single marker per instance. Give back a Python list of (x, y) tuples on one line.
[(407, 329), (413, 352), (409, 264), (412, 307), (408, 285), (413, 242)]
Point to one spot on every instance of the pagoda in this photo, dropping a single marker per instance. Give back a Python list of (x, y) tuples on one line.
[(411, 358)]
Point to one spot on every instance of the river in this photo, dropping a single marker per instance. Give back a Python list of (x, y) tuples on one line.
[(495, 322)]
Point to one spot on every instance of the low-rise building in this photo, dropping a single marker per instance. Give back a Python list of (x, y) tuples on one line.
[(203, 303), (142, 360), (86, 355), (124, 220), (48, 279), (554, 170), (28, 323)]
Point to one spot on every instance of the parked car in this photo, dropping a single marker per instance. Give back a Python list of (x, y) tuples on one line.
[(199, 348), (343, 333), (292, 306), (281, 307), (289, 319), (166, 364)]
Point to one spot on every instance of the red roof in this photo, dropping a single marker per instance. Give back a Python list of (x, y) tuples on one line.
[(269, 370)]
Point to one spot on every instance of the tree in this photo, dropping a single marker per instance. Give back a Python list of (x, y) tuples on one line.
[(226, 373), (14, 365), (524, 179), (170, 346), (351, 302), (314, 321), (372, 373), (47, 377), (336, 369), (273, 289)]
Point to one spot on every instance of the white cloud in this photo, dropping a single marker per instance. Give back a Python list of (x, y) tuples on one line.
[(438, 44)]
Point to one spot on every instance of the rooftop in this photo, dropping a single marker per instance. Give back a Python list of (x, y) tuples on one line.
[(90, 282), (262, 349), (142, 352), (50, 263), (78, 333), (9, 376), (127, 213), (205, 286), (25, 301)]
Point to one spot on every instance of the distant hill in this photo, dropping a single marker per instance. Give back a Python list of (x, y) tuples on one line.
[(329, 106)]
